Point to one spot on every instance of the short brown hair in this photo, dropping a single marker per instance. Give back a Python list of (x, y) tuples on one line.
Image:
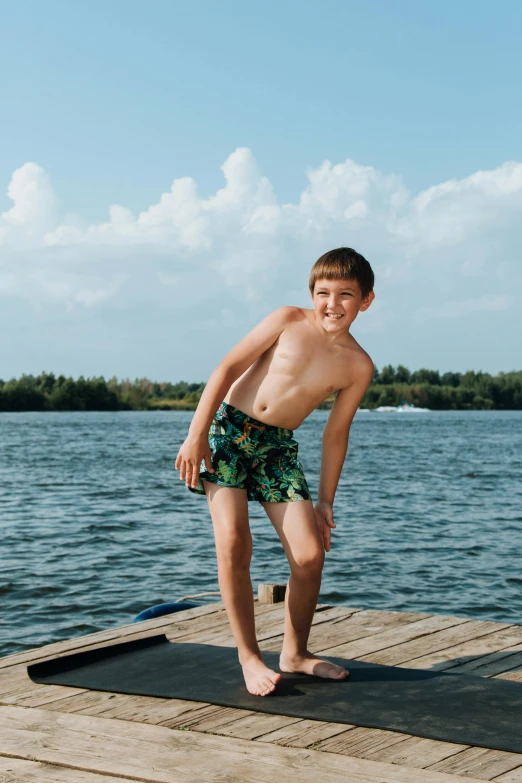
[(343, 264)]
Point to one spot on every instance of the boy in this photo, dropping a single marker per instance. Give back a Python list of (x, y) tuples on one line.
[(240, 447)]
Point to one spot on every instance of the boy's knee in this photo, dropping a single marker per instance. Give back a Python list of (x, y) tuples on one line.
[(235, 551), (310, 561)]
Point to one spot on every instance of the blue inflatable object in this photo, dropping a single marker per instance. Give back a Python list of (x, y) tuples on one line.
[(161, 609)]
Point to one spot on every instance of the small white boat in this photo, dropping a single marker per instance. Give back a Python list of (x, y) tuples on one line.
[(404, 407)]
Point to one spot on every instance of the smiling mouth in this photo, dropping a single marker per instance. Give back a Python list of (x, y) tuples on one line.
[(334, 316)]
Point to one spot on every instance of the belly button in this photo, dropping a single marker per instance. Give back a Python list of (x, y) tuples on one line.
[(264, 407)]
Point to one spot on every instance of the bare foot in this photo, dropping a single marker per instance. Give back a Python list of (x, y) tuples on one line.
[(309, 664), (259, 679)]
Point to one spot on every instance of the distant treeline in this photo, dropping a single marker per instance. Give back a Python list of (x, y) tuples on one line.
[(390, 386), (447, 391), (47, 392)]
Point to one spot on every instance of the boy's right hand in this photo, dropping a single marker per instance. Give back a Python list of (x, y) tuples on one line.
[(189, 458)]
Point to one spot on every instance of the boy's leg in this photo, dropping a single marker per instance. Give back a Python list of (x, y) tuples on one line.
[(229, 512), (296, 526)]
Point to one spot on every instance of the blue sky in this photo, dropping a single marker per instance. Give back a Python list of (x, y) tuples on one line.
[(287, 128)]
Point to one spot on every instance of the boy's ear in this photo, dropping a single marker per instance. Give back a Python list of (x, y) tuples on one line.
[(366, 302)]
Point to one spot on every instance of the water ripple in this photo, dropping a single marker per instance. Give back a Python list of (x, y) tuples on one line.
[(96, 526)]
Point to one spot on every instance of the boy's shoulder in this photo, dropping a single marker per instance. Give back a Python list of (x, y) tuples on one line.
[(291, 313), (358, 364), (364, 362), (358, 351)]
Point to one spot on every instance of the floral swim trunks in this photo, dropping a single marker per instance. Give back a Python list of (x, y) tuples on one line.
[(248, 454)]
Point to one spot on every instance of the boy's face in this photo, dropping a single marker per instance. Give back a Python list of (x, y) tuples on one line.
[(337, 303)]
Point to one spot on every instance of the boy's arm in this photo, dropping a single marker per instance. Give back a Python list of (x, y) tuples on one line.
[(335, 445), (240, 358)]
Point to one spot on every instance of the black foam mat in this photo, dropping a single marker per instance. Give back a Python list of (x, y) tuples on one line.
[(438, 705)]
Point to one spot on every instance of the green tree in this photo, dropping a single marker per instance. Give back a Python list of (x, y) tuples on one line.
[(450, 379), (402, 374), (387, 375), (426, 376)]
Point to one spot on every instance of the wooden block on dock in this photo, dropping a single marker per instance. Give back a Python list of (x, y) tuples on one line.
[(271, 594)]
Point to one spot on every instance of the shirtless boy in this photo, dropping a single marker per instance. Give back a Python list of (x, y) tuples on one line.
[(240, 447)]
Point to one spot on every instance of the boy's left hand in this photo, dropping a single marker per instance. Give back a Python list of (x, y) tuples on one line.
[(325, 521)]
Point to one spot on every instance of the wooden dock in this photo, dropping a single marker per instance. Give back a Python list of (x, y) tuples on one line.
[(55, 734)]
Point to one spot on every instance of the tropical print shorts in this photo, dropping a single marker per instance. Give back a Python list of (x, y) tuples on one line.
[(248, 454)]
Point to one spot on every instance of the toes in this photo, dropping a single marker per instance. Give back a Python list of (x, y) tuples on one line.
[(261, 683), (263, 687), (267, 686)]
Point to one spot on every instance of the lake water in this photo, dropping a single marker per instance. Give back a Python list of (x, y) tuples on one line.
[(96, 525)]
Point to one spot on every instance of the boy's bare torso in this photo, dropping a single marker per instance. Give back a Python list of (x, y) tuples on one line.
[(298, 372)]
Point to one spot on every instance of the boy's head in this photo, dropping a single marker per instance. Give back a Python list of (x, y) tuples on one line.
[(341, 285), (343, 264)]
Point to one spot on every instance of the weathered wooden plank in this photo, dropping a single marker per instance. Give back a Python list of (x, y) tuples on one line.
[(367, 622), (264, 613), (482, 763), (267, 627), (417, 752), (494, 663), (322, 622), (361, 648), (172, 713), (364, 624), (514, 776), (253, 725), (205, 719), (439, 640), (17, 688), (160, 755), (467, 650), (140, 709), (515, 675), (18, 770), (304, 733), (360, 741), (221, 634)]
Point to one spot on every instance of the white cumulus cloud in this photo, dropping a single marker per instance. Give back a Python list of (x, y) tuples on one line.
[(241, 239), (34, 205)]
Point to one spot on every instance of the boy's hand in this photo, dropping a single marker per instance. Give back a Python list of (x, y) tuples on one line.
[(325, 521), (189, 459)]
